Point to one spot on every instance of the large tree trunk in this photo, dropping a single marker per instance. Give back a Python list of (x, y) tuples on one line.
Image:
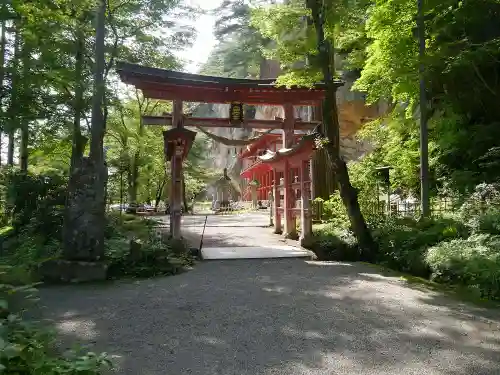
[(3, 43), (98, 126), (25, 94), (78, 140), (23, 146), (332, 132), (14, 95), (85, 208), (10, 148)]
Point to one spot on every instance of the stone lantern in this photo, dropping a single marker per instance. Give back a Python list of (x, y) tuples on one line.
[(223, 187)]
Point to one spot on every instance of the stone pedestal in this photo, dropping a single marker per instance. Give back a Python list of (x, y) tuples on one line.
[(65, 271), (84, 220)]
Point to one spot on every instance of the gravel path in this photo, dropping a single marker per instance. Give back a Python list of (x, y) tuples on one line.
[(289, 317), (230, 230)]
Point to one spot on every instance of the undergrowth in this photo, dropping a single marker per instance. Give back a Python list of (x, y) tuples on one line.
[(28, 347), (462, 249)]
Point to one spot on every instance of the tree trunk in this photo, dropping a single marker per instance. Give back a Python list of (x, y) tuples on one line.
[(14, 94), (25, 115), (332, 132), (78, 141), (23, 146), (97, 119), (133, 184), (85, 208), (10, 148), (3, 43)]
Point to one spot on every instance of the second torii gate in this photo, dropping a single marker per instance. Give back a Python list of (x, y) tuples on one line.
[(184, 87)]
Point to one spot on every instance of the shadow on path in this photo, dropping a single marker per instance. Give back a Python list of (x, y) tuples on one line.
[(288, 316)]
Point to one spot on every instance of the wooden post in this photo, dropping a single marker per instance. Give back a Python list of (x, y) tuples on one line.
[(305, 208), (289, 201), (276, 193), (288, 125), (175, 211), (311, 179), (176, 199)]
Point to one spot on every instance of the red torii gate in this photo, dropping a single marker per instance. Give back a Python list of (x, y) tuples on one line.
[(184, 87)]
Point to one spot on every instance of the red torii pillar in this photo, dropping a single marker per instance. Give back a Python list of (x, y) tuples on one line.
[(178, 142)]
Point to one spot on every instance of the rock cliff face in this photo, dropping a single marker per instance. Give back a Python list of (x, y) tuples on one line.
[(222, 156), (353, 113)]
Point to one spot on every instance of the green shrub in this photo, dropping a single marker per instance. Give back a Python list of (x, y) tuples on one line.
[(488, 222), (472, 262), (152, 257), (128, 225), (330, 243), (154, 254), (334, 211), (36, 201), (403, 242), (481, 211)]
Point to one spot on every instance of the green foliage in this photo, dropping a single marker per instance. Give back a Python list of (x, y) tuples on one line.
[(334, 211), (28, 347), (480, 210), (462, 249), (37, 200), (151, 254), (330, 243), (238, 53), (461, 66), (403, 242), (473, 262), (136, 153)]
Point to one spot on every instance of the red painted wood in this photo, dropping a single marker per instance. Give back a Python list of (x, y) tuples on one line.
[(207, 95)]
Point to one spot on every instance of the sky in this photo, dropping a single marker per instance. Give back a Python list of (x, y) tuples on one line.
[(205, 40)]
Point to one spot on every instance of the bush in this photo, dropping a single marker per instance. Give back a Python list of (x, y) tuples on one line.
[(330, 243), (152, 257), (403, 242), (151, 254), (36, 201), (334, 211), (472, 262)]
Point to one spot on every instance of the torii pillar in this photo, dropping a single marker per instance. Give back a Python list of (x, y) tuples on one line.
[(290, 229), (178, 142)]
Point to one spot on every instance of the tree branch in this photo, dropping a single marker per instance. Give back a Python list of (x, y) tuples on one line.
[(115, 43), (481, 78)]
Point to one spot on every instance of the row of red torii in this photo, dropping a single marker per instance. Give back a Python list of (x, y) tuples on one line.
[(183, 87)]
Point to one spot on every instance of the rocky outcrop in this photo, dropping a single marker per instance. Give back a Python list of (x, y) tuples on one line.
[(222, 156), (353, 113)]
